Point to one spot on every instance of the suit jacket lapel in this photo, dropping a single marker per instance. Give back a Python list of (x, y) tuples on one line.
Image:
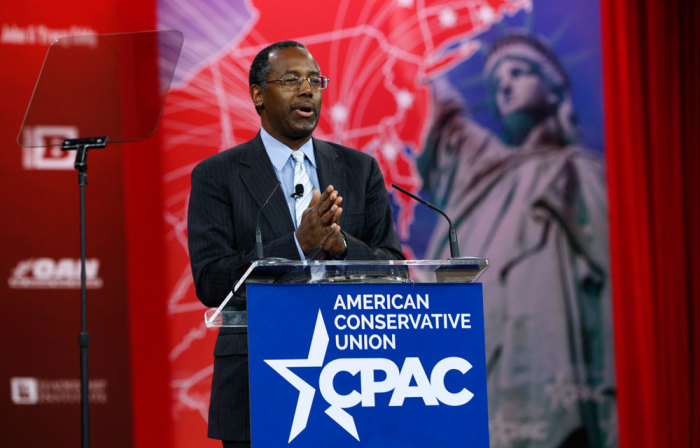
[(259, 178), (328, 169)]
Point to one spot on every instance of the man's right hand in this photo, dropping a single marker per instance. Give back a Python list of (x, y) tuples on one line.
[(320, 219)]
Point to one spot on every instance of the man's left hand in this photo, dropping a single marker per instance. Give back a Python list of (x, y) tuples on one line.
[(335, 242)]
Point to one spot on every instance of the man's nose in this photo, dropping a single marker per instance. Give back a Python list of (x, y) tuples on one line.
[(305, 87)]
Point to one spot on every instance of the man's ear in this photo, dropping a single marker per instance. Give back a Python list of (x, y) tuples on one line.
[(256, 94)]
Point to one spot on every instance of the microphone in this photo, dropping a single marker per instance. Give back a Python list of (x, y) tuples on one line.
[(258, 234), (454, 247), (298, 191)]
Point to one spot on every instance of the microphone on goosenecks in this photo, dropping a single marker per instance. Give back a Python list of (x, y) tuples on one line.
[(258, 234), (454, 247)]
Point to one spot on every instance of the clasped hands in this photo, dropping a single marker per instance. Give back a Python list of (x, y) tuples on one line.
[(319, 223)]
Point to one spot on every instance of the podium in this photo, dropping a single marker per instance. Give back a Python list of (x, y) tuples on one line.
[(363, 353)]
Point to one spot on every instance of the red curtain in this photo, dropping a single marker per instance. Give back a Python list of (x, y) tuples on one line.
[(652, 72)]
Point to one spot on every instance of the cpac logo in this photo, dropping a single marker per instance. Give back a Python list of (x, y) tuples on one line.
[(45, 272), (397, 381)]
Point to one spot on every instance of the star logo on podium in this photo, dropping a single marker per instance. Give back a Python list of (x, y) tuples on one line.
[(317, 353)]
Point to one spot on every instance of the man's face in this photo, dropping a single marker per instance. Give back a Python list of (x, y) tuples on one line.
[(519, 88), (289, 115)]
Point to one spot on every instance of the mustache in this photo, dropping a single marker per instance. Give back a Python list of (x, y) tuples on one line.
[(304, 104)]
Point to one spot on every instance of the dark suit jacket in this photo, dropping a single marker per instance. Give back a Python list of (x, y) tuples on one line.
[(228, 190)]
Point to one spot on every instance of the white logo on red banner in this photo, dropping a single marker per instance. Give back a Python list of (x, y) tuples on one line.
[(31, 391), (47, 154), (24, 390), (47, 273), (13, 34)]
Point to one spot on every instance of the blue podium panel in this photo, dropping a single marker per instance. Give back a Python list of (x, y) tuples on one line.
[(367, 365)]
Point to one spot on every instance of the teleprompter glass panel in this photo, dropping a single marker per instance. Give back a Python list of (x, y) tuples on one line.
[(108, 85)]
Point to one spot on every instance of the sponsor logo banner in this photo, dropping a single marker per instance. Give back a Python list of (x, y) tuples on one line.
[(367, 365), (46, 153), (47, 273), (39, 34), (37, 391)]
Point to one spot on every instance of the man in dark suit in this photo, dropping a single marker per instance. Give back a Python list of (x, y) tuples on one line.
[(229, 188)]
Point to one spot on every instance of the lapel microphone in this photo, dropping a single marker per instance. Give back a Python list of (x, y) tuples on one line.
[(298, 191), (258, 234)]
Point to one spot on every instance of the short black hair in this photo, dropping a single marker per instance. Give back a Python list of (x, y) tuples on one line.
[(260, 68)]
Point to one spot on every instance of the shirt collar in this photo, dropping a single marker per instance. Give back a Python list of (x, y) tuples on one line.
[(279, 153)]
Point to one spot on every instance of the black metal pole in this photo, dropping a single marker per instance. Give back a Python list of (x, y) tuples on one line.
[(84, 336), (81, 147)]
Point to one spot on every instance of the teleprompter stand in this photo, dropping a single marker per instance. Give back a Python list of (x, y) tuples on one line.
[(96, 89), (81, 147)]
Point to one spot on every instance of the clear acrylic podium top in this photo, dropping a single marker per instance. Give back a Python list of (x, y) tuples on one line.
[(275, 270)]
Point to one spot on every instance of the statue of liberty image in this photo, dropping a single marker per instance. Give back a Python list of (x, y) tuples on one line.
[(533, 202)]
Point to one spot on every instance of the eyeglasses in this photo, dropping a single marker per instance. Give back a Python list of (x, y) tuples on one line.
[(292, 82)]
